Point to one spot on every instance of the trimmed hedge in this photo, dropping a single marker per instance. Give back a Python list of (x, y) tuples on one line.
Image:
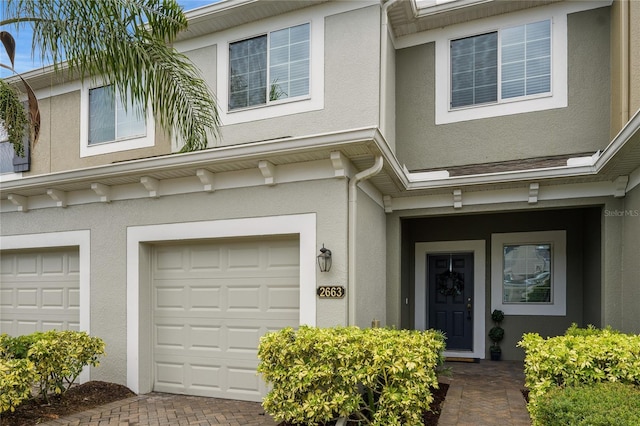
[(379, 376), (598, 404), (52, 360), (16, 379), (580, 357)]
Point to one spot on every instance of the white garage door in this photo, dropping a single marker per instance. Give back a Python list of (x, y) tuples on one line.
[(39, 291), (211, 303)]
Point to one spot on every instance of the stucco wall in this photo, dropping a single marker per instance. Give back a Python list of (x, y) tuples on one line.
[(370, 262), (581, 127), (630, 262), (351, 84), (580, 251), (58, 148), (108, 223)]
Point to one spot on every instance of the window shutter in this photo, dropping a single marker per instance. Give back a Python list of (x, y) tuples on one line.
[(22, 164)]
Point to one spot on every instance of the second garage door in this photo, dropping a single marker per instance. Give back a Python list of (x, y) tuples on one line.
[(39, 291), (211, 303)]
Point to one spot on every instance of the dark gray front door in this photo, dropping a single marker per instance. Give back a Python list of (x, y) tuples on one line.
[(450, 297)]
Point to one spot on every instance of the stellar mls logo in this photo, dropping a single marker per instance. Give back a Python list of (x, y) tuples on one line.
[(621, 213)]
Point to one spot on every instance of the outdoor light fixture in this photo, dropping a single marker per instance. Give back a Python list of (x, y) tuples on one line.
[(324, 259)]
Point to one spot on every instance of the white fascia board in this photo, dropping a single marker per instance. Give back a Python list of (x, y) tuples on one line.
[(423, 8), (481, 24), (628, 131), (258, 150)]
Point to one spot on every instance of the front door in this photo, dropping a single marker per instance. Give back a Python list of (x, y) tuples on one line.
[(450, 298)]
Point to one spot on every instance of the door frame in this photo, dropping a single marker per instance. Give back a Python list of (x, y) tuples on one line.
[(478, 248)]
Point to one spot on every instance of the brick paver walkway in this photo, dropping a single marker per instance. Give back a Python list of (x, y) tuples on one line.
[(484, 394), (168, 410), (480, 394)]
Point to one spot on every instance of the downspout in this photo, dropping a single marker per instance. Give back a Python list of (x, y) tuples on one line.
[(353, 203)]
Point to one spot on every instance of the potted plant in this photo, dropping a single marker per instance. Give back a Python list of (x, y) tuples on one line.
[(496, 334)]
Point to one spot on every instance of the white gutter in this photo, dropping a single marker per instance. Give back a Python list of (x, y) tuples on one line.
[(353, 204), (256, 150)]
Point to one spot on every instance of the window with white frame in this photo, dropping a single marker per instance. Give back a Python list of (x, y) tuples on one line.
[(111, 118), (109, 123), (528, 273), (269, 68), (502, 65)]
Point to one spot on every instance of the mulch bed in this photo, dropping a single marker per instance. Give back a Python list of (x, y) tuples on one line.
[(78, 398)]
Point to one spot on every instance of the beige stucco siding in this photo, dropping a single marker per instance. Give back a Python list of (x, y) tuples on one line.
[(581, 127), (630, 262), (108, 224), (351, 84), (58, 148)]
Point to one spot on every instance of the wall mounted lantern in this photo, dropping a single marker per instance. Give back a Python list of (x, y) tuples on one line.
[(324, 259)]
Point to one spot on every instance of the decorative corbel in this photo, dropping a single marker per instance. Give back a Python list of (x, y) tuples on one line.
[(207, 179), (388, 207), (268, 171), (60, 197), (457, 198), (103, 191), (151, 185), (20, 201), (620, 186), (534, 188), (339, 164)]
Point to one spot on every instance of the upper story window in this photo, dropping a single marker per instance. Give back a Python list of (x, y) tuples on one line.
[(273, 68), (501, 65), (111, 124), (110, 119), (270, 67)]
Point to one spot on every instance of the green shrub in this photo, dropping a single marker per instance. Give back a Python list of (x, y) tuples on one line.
[(580, 357), (599, 404), (17, 347), (16, 378), (56, 359), (381, 376), (60, 356)]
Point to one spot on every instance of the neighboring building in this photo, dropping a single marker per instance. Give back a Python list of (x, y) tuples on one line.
[(455, 156)]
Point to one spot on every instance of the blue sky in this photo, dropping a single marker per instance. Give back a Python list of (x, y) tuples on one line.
[(24, 60)]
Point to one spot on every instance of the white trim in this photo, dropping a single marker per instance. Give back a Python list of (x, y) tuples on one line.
[(558, 239), (118, 145), (302, 224), (80, 239), (313, 102), (559, 64), (477, 247)]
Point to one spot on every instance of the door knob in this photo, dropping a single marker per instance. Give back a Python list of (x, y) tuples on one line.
[(469, 308)]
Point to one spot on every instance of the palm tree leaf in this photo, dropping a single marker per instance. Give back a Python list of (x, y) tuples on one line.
[(127, 43), (9, 46), (34, 112)]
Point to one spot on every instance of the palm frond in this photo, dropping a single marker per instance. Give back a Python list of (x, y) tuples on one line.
[(127, 43)]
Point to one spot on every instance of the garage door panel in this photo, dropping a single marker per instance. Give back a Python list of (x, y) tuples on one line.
[(39, 291), (212, 303)]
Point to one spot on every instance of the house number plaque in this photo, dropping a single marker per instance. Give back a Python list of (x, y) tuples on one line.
[(331, 292)]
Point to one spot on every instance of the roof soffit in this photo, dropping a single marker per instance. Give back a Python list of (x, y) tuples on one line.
[(405, 19)]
